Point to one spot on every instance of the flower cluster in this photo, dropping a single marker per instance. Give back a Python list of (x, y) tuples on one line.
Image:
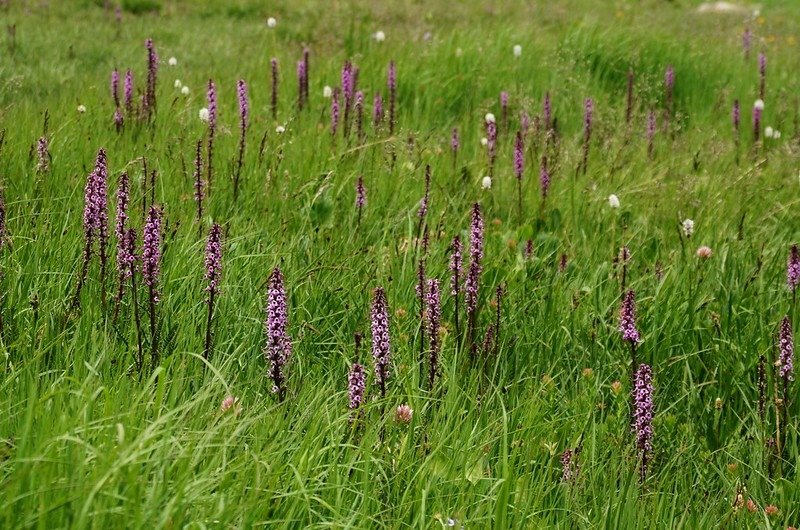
[(151, 250), (627, 319), (279, 344), (786, 343), (643, 410), (793, 269), (213, 259), (381, 349), (356, 385)]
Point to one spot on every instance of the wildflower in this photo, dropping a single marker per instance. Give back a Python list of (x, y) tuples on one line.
[(185, 90), (403, 414), (361, 196), (704, 252), (771, 510), (177, 83), (736, 116), (271, 22), (151, 251), (769, 132), (517, 50), (280, 129), (547, 111), (616, 387), (484, 141), (279, 345), (747, 38), (42, 155), (486, 183), (688, 227), (762, 74), (204, 115), (213, 259), (544, 178), (149, 98), (377, 109), (718, 403), (627, 319), (81, 108), (379, 36), (758, 109), (588, 111), (472, 283), (786, 343), (613, 201), (211, 97), (454, 141), (433, 312), (519, 154), (489, 118), (793, 269), (327, 92), (381, 347), (172, 61), (274, 95), (356, 385), (334, 112), (128, 89), (115, 87), (643, 411), (569, 465), (391, 82), (228, 403)]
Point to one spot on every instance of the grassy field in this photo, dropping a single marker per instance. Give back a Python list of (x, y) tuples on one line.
[(91, 439)]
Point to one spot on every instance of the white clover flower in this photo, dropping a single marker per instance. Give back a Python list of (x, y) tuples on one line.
[(172, 61), (81, 109), (379, 36), (280, 129), (688, 227), (613, 201), (489, 117), (759, 104), (776, 134), (486, 183), (271, 22), (185, 90), (327, 92), (203, 114), (484, 141), (177, 83), (517, 50), (769, 132)]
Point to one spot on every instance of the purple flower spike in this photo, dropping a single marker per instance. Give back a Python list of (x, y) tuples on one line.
[(123, 200), (377, 109), (643, 412), (519, 156), (433, 311), (736, 114), (128, 92), (274, 96), (115, 87), (381, 348), (213, 259), (472, 283), (456, 266), (334, 111), (793, 269), (547, 111), (758, 109), (279, 344), (301, 83), (42, 155), (786, 360), (244, 106), (762, 74), (423, 205), (152, 72), (747, 39), (211, 97), (544, 178), (627, 319), (151, 251), (356, 385), (391, 82)]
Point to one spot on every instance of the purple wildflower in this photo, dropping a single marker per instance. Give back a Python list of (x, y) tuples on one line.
[(42, 155), (119, 121), (786, 342), (115, 87), (199, 184), (274, 96), (391, 82), (361, 196), (211, 98), (627, 319), (359, 115), (544, 178), (491, 137), (213, 259), (279, 344), (128, 92), (377, 109), (123, 200), (301, 80), (758, 108), (793, 269), (519, 156), (643, 412), (433, 312), (762, 74), (151, 251), (334, 111), (472, 283), (504, 107), (381, 349), (356, 385), (244, 107), (306, 66), (152, 71), (524, 122), (736, 116), (588, 111), (747, 39), (456, 266), (569, 465)]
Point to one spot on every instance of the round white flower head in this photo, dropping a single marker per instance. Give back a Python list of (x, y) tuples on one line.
[(81, 109), (489, 117), (486, 183), (776, 134), (327, 92), (459, 52), (203, 114), (769, 132), (172, 61), (613, 201), (177, 83), (185, 90), (484, 141), (688, 227), (280, 129), (379, 36), (759, 104), (517, 50), (271, 22)]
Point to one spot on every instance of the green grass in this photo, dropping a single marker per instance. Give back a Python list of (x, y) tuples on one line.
[(85, 444)]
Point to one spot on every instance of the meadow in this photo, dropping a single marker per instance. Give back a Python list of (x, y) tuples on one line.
[(398, 264)]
